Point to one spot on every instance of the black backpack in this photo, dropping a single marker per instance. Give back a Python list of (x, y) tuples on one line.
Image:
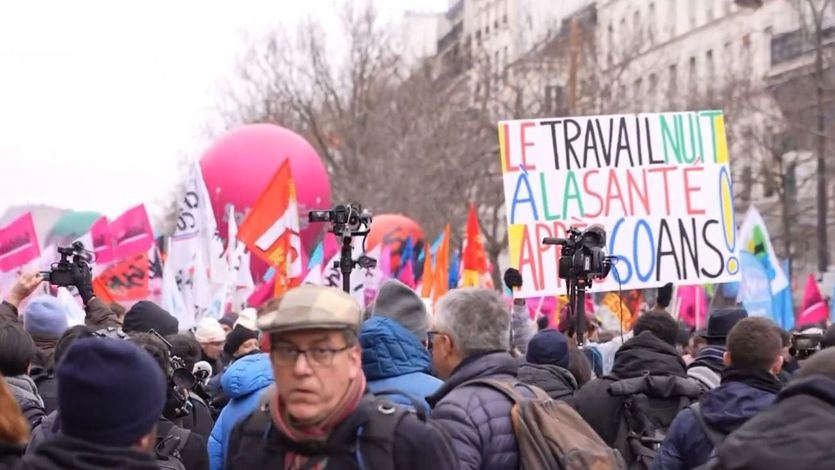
[(650, 403), (375, 439), (168, 451)]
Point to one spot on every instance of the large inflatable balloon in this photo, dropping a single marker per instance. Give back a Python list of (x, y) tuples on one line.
[(392, 230), (239, 165)]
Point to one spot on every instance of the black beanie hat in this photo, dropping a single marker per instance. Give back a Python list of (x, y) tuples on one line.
[(145, 316), (665, 295), (238, 336), (110, 392), (549, 346)]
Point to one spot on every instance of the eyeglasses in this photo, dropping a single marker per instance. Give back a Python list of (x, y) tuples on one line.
[(288, 355)]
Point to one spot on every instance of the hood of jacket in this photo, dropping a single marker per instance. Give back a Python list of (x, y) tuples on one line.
[(66, 452), (246, 375), (555, 380), (23, 389), (390, 350), (644, 354), (817, 386), (732, 404)]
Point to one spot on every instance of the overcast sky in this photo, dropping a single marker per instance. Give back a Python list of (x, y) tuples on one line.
[(99, 100)]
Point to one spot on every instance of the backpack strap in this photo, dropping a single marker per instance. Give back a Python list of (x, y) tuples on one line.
[(509, 389), (173, 443), (713, 435)]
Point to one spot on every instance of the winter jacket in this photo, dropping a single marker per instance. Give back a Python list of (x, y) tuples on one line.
[(417, 444), (557, 382), (724, 409), (796, 432), (50, 426), (243, 381), (25, 392), (707, 367), (393, 359), (476, 417), (47, 388), (193, 455), (644, 354), (67, 452), (522, 328)]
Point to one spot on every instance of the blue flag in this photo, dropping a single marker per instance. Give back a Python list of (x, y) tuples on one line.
[(317, 258), (755, 289), (454, 270), (406, 254), (783, 303)]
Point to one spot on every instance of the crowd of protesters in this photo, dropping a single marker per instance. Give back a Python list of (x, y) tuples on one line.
[(311, 381)]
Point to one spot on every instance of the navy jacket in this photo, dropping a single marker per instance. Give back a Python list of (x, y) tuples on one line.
[(393, 359), (477, 418), (724, 408)]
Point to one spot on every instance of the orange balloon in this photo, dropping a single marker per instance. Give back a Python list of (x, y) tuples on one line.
[(392, 230)]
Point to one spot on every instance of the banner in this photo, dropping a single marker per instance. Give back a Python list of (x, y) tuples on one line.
[(131, 233), (186, 290), (753, 237), (755, 288), (18, 243), (659, 184), (125, 280)]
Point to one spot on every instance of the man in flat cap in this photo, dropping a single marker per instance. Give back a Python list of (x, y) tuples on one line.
[(319, 415)]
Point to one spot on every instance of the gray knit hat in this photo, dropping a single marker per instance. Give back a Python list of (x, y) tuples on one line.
[(400, 303)]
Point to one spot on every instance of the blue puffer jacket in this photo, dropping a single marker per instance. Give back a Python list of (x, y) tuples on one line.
[(393, 359), (724, 409), (242, 381), (476, 417)]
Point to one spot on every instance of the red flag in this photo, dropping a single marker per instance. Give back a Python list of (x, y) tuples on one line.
[(407, 275), (18, 243), (271, 229), (126, 280), (474, 258)]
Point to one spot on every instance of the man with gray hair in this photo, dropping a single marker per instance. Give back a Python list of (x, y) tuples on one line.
[(470, 342)]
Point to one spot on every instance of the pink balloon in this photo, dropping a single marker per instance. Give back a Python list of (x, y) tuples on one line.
[(240, 164)]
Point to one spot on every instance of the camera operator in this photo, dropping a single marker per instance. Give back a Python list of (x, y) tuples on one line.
[(202, 417), (191, 447), (98, 314)]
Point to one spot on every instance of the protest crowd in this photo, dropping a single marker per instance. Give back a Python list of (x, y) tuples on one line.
[(276, 344)]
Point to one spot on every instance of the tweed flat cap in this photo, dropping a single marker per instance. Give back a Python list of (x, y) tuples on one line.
[(312, 307)]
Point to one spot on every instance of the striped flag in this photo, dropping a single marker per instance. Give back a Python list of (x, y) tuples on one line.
[(271, 229)]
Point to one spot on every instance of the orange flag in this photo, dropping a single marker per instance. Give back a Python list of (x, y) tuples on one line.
[(271, 229), (474, 258), (442, 267), (125, 280)]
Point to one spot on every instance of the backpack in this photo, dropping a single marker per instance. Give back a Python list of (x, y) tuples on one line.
[(168, 451), (715, 436), (551, 434), (650, 403), (375, 439)]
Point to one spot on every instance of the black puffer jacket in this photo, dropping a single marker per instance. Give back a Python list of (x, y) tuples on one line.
[(797, 432), (476, 417), (66, 452), (557, 382), (644, 354)]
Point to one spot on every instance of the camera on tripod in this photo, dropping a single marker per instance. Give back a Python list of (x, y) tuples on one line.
[(345, 219), (583, 254), (62, 273)]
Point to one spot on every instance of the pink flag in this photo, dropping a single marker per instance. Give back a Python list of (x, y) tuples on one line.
[(693, 306), (384, 263), (407, 275), (132, 233), (330, 247), (102, 240), (18, 243), (813, 309)]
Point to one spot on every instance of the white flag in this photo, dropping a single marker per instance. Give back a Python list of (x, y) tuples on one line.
[(753, 236)]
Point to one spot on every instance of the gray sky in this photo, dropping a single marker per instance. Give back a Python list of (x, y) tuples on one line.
[(100, 99)]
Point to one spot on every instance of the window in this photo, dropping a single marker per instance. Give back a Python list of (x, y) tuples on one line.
[(651, 23), (498, 64), (637, 35), (747, 183), (708, 11), (638, 104), (671, 18), (652, 92), (710, 72), (693, 10), (728, 58), (672, 72), (691, 76)]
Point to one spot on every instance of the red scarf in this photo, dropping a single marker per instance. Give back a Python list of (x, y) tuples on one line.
[(317, 432)]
